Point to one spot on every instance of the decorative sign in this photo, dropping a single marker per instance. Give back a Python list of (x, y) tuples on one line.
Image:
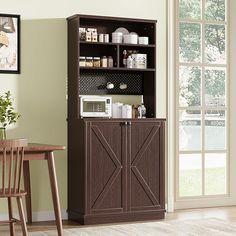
[(9, 43)]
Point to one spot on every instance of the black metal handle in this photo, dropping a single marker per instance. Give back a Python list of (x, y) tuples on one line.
[(129, 123)]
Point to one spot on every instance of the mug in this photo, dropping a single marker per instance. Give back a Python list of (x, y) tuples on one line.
[(123, 86), (110, 85)]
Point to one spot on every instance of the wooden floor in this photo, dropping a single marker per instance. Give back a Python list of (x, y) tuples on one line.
[(225, 213)]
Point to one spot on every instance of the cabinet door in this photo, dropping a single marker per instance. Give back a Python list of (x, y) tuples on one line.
[(146, 166), (104, 167)]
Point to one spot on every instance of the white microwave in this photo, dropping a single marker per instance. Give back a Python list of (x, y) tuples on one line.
[(95, 106)]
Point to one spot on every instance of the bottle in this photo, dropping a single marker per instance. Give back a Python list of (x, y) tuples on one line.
[(130, 62), (141, 110), (125, 55), (110, 61), (104, 61)]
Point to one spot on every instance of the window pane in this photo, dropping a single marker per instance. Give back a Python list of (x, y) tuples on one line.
[(215, 132), (190, 42), (190, 175), (215, 44), (189, 86), (215, 10), (215, 87), (189, 130), (190, 9), (215, 173)]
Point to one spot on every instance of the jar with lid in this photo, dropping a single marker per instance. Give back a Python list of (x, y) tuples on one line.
[(106, 38), (88, 36), (101, 38), (110, 61), (82, 61), (96, 62), (141, 111), (89, 62), (104, 61)]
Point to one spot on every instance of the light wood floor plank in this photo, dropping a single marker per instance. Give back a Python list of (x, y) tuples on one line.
[(224, 213)]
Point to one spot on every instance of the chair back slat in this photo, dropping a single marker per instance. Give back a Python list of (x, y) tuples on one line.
[(21, 159), (11, 157), (10, 161), (3, 169), (16, 169)]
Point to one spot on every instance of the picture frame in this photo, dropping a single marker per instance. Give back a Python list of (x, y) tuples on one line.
[(9, 43)]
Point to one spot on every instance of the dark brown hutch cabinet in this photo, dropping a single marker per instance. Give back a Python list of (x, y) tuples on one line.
[(115, 166)]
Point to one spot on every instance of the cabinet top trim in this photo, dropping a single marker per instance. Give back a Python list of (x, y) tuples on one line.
[(95, 17)]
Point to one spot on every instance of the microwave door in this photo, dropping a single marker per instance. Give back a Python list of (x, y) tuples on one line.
[(94, 106)]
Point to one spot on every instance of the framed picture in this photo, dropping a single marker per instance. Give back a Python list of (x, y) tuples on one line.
[(9, 43)]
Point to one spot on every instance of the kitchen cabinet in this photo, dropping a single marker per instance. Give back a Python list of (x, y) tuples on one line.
[(124, 171), (115, 166)]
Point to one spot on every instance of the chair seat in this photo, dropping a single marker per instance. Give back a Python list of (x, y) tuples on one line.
[(11, 194)]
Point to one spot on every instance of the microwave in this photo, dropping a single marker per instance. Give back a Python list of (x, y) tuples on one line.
[(95, 106)]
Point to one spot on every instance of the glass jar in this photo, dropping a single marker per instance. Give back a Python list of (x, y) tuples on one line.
[(89, 62), (110, 61), (104, 61), (96, 62), (82, 61)]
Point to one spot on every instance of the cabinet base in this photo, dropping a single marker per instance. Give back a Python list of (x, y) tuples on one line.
[(115, 218)]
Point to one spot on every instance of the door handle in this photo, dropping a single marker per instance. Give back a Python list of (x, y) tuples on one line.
[(126, 123)]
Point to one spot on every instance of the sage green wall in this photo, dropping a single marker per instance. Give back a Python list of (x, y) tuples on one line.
[(40, 90)]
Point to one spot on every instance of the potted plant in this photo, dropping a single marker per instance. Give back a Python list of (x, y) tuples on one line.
[(7, 114)]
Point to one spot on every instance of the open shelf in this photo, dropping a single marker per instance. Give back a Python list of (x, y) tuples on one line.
[(118, 44), (93, 80), (117, 69)]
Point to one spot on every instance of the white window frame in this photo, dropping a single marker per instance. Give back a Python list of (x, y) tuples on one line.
[(174, 4)]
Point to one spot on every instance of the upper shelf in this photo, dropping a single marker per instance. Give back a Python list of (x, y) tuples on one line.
[(117, 69), (118, 44)]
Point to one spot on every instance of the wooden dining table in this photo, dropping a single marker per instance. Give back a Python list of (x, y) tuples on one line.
[(35, 152)]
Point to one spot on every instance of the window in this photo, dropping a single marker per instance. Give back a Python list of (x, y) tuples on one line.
[(202, 103)]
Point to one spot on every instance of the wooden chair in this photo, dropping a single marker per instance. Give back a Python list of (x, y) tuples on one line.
[(11, 164)]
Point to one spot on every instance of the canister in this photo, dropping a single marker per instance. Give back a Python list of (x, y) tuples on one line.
[(126, 111), (106, 38), (101, 38), (117, 110)]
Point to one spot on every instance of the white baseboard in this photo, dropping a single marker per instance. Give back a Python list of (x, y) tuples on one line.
[(40, 216)]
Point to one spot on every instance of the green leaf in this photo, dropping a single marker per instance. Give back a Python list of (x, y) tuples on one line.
[(7, 114)]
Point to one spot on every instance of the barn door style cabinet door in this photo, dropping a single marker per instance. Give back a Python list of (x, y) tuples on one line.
[(115, 166), (124, 170)]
